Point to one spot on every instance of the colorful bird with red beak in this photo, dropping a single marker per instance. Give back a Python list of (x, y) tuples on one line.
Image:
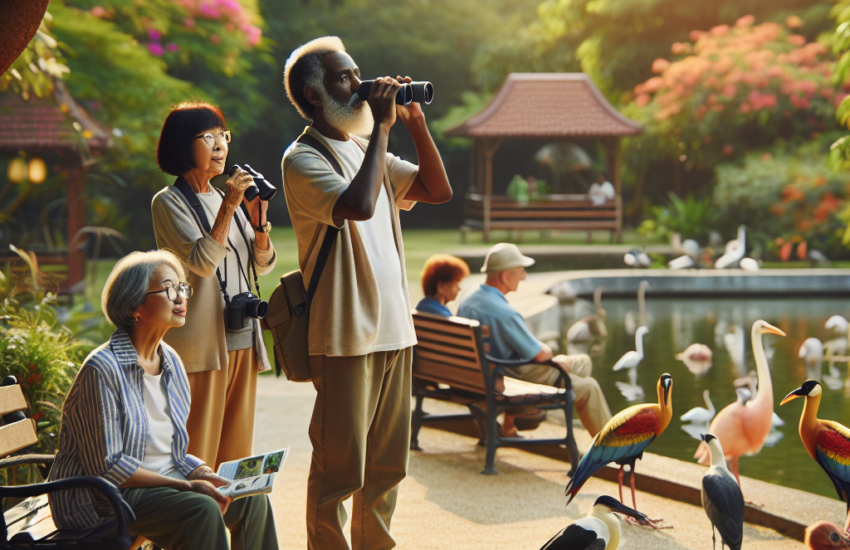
[(624, 439), (828, 442)]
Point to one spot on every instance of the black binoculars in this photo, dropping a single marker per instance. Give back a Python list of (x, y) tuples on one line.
[(415, 92), (263, 188)]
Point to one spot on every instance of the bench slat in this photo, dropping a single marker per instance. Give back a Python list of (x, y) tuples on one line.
[(553, 225), (12, 399), (422, 334), (551, 214), (443, 326), (17, 436), (452, 350), (456, 362), (458, 378)]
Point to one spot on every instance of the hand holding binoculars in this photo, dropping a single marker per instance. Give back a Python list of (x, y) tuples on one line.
[(413, 92), (263, 188)]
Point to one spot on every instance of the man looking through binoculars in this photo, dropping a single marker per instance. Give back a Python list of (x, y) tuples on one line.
[(361, 332)]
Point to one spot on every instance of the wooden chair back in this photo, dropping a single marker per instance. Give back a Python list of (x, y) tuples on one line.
[(20, 434), (450, 351)]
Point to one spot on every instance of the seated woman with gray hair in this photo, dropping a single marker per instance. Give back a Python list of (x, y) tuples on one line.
[(124, 419)]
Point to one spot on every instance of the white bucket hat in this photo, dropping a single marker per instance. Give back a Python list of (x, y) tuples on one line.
[(504, 256)]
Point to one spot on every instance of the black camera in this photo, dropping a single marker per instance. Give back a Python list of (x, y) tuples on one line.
[(415, 92), (263, 188), (242, 308)]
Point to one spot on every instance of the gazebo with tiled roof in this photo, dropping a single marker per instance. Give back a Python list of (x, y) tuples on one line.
[(553, 106), (56, 124)]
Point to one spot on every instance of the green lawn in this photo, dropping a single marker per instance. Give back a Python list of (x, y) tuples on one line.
[(419, 245)]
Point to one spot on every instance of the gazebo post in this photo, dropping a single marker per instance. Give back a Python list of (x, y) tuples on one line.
[(76, 221), (490, 148), (613, 157)]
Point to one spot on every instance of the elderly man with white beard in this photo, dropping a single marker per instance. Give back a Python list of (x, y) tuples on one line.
[(361, 332)]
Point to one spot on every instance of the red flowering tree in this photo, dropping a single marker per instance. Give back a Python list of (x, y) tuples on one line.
[(739, 88)]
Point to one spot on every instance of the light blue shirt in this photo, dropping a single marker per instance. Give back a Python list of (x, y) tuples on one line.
[(105, 427), (509, 335), (430, 305)]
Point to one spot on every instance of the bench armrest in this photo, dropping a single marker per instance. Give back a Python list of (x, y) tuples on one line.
[(46, 460), (501, 364), (123, 513)]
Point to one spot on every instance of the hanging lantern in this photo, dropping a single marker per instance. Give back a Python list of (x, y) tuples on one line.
[(37, 170), (17, 170)]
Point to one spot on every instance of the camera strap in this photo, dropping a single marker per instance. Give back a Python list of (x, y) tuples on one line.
[(195, 203), (331, 232)]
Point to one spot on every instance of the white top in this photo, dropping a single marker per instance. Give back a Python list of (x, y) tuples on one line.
[(601, 193), (158, 457), (395, 328)]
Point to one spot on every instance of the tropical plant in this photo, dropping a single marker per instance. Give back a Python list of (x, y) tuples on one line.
[(43, 356), (692, 218)]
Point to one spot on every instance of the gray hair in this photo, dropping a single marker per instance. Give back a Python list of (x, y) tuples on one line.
[(127, 285), (304, 68)]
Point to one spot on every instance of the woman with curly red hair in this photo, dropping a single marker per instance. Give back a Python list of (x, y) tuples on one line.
[(441, 279)]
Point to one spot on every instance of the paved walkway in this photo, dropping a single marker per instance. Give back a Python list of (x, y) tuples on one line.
[(446, 504)]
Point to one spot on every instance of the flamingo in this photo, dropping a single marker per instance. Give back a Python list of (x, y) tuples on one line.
[(746, 393), (695, 352), (735, 251), (590, 327), (600, 530), (624, 439), (700, 415), (827, 442), (743, 429)]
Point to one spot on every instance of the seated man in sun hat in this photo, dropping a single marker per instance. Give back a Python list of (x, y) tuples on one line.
[(510, 337)]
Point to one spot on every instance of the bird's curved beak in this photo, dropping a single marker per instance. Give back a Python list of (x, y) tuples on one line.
[(770, 329), (796, 394), (619, 508), (666, 383)]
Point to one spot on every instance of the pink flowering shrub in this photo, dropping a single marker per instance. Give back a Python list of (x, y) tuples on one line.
[(736, 88)]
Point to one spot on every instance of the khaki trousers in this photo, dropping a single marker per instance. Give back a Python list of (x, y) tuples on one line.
[(221, 420), (360, 432), (181, 520), (590, 403)]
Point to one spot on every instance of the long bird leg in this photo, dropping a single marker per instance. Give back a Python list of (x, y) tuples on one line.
[(649, 522), (737, 477), (620, 483), (713, 541)]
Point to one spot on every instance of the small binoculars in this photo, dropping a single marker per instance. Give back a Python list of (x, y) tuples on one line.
[(263, 188), (415, 92)]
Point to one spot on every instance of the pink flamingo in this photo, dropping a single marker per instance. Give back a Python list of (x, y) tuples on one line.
[(742, 429)]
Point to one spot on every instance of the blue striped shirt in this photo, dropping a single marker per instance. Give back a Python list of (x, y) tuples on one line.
[(105, 427)]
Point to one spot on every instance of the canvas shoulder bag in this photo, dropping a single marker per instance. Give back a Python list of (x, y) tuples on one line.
[(289, 304)]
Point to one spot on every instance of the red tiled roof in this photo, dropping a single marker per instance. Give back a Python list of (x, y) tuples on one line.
[(47, 123), (547, 105)]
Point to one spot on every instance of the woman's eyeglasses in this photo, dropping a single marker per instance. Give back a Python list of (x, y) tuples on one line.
[(184, 290), (210, 138)]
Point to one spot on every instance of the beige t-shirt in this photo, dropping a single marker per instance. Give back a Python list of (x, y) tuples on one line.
[(362, 304)]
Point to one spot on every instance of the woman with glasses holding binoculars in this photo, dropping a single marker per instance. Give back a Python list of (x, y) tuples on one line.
[(223, 240)]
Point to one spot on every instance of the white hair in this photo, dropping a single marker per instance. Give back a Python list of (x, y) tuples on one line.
[(304, 68)]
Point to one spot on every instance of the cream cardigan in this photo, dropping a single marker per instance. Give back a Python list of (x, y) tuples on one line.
[(201, 342)]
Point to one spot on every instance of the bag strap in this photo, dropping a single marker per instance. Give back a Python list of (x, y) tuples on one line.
[(331, 233)]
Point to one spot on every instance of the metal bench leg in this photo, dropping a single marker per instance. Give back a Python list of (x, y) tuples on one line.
[(572, 448), (492, 441), (480, 418), (418, 415)]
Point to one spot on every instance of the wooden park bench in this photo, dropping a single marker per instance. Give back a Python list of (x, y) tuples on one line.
[(450, 363), (553, 213), (29, 524)]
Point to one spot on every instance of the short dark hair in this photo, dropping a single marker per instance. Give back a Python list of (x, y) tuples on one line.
[(184, 122), (304, 68)]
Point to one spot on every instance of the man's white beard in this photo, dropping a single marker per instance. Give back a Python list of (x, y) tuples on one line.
[(354, 117)]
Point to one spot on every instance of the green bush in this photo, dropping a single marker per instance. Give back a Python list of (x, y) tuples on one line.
[(790, 195), (692, 218)]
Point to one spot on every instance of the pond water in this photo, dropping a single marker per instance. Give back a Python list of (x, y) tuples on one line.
[(724, 325)]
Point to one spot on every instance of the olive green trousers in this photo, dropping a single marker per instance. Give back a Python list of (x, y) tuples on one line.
[(182, 520), (360, 432)]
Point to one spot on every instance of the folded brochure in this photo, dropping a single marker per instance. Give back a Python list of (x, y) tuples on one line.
[(253, 475)]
